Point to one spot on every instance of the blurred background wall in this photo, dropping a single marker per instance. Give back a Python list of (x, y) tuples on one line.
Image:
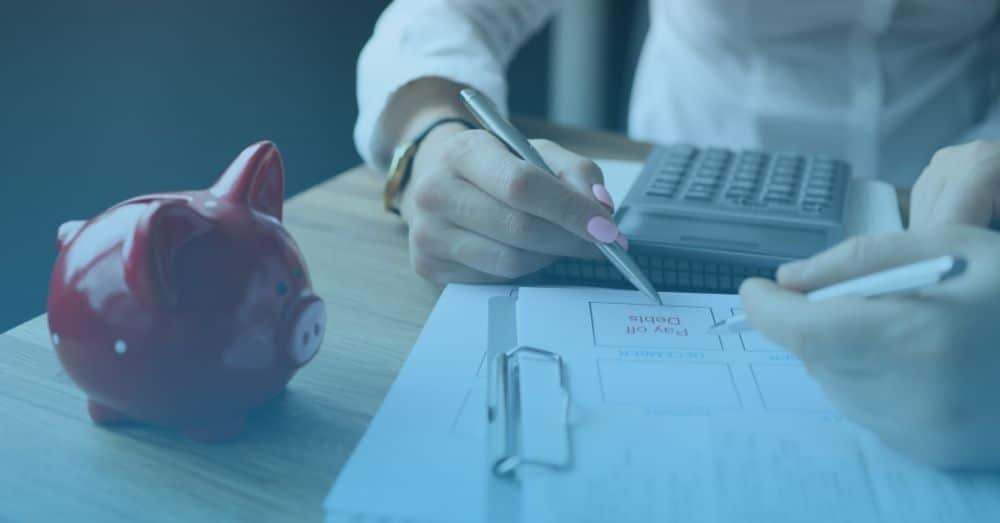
[(107, 99)]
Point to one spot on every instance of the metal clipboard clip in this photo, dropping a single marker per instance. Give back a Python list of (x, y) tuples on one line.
[(528, 411)]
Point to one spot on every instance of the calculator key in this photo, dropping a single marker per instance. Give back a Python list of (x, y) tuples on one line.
[(778, 201), (668, 178), (714, 165), (819, 187), (698, 197), (818, 195), (753, 204), (705, 187), (683, 149), (812, 200), (814, 208), (744, 172), (781, 187), (743, 184), (661, 194), (786, 178), (778, 197), (715, 152)]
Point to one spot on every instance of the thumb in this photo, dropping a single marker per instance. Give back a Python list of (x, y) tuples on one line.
[(859, 256)]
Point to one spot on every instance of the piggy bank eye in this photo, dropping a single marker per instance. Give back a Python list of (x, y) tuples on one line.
[(281, 288)]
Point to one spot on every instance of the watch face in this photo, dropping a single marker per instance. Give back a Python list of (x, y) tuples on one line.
[(399, 169)]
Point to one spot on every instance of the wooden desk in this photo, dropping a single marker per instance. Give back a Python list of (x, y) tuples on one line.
[(56, 465)]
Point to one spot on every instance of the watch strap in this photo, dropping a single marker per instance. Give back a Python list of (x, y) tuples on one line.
[(402, 162)]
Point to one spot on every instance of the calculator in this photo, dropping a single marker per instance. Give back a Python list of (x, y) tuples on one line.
[(705, 219)]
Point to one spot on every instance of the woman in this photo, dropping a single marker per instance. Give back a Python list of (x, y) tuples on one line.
[(882, 83)]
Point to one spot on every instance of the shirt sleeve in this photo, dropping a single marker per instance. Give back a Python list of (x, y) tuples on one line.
[(469, 42), (987, 129)]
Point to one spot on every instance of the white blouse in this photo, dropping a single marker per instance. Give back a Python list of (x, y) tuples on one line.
[(881, 83)]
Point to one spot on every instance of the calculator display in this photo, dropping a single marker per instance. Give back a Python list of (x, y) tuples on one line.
[(685, 232)]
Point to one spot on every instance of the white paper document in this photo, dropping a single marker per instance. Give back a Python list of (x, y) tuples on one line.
[(667, 423)]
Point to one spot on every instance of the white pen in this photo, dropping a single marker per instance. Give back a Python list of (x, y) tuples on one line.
[(899, 280)]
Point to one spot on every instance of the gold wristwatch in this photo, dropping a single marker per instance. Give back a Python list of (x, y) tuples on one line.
[(402, 163)]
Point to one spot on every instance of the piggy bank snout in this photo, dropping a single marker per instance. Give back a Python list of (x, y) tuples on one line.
[(305, 327)]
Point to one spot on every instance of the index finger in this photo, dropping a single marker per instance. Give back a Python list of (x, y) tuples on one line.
[(841, 333), (485, 162), (861, 255)]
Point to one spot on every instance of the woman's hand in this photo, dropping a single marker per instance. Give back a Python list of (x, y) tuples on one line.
[(960, 185), (922, 372), (477, 213)]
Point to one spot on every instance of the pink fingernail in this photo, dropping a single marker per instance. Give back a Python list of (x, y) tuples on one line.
[(622, 241), (602, 229), (603, 196)]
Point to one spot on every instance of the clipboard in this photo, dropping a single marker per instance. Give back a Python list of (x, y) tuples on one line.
[(527, 433)]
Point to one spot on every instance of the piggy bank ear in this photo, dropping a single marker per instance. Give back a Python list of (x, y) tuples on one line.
[(67, 232), (149, 254), (255, 178)]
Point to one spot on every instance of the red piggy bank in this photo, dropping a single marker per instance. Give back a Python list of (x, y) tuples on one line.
[(186, 309)]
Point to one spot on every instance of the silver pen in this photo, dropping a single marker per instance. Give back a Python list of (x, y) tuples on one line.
[(486, 113)]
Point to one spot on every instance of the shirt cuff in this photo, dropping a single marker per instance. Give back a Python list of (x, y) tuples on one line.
[(370, 137)]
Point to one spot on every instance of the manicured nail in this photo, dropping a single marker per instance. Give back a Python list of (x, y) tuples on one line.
[(603, 229), (622, 241), (603, 196)]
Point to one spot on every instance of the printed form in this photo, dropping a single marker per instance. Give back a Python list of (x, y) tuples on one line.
[(674, 424)]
